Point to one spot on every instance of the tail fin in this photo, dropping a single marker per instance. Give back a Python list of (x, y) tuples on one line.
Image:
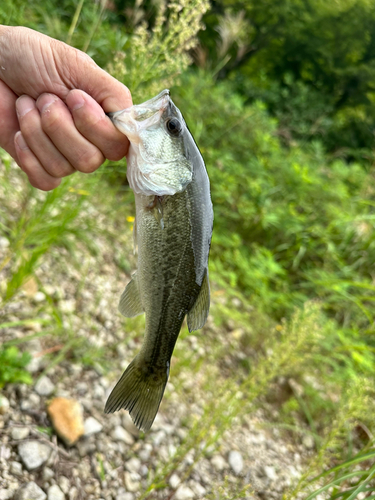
[(140, 391)]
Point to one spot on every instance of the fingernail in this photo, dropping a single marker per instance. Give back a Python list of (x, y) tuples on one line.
[(20, 141), (75, 100), (44, 102), (24, 104)]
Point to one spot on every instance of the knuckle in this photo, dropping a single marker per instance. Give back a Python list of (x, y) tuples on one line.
[(89, 162), (52, 119), (59, 168), (30, 124)]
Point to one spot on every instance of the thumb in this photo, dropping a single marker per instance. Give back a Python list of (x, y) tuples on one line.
[(86, 75)]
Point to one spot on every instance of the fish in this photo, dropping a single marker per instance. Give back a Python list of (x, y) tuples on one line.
[(172, 233)]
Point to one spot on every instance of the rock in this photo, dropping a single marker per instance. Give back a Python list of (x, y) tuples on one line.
[(120, 434), (236, 461), (308, 442), (39, 297), (270, 472), (174, 481), (132, 481), (54, 493), (4, 242), (44, 386), (15, 468), (18, 433), (124, 495), (31, 403), (92, 426), (47, 473), (30, 491), (219, 462), (133, 465), (4, 405), (198, 489), (64, 484), (6, 494), (67, 419), (33, 454), (184, 493)]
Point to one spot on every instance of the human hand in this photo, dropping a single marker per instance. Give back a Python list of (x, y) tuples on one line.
[(53, 100)]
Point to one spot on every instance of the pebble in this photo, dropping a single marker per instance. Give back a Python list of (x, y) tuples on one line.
[(308, 442), (6, 494), (64, 484), (4, 405), (124, 495), (16, 468), (44, 386), (32, 402), (235, 461), (184, 493), (67, 419), (92, 426), (120, 434), (219, 462), (47, 473), (4, 242), (30, 491), (174, 481), (33, 454), (54, 493), (132, 481), (133, 465), (18, 433), (198, 489), (39, 297), (270, 472)]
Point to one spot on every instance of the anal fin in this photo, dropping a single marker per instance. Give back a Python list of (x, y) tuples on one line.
[(197, 316), (130, 304)]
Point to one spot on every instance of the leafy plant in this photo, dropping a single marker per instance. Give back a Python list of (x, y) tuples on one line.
[(12, 366)]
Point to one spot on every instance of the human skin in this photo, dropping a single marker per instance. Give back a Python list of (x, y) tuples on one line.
[(53, 100)]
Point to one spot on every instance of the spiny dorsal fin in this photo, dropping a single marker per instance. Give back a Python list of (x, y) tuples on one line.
[(197, 315), (130, 302)]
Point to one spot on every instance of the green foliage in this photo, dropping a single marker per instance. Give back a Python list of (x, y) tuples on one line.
[(12, 366)]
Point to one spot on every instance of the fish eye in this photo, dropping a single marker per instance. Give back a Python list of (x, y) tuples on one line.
[(174, 126)]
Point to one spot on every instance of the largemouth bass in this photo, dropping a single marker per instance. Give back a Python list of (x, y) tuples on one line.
[(173, 228)]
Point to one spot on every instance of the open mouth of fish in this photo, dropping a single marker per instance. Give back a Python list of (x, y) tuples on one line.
[(140, 116)]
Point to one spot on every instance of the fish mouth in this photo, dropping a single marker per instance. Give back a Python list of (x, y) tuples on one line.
[(131, 121)]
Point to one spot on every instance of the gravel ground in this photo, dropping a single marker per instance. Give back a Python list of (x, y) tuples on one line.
[(112, 460)]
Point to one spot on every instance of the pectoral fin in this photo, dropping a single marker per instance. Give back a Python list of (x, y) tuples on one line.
[(130, 304), (197, 315)]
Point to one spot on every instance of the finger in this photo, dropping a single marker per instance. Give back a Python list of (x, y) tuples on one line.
[(29, 163), (58, 124), (95, 126), (8, 119), (38, 141)]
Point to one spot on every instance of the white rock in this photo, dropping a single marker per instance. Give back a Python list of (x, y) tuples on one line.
[(198, 489), (270, 472), (15, 468), (174, 481), (47, 473), (64, 484), (4, 242), (92, 426), (54, 493), (308, 442), (184, 493), (236, 461), (133, 465), (6, 494), (19, 433), (120, 434), (124, 495), (30, 491), (4, 405), (44, 386), (219, 462), (32, 402), (39, 297), (132, 481), (33, 454)]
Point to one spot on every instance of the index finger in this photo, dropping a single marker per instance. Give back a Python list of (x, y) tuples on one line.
[(95, 126)]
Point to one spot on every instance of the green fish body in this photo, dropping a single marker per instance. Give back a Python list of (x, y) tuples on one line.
[(173, 230)]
